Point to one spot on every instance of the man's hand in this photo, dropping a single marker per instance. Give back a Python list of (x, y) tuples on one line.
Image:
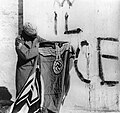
[(37, 45), (20, 45), (18, 42)]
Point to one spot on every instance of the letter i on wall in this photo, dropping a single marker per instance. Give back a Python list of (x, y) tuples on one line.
[(55, 23)]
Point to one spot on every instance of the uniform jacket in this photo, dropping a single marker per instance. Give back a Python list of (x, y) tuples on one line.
[(27, 53)]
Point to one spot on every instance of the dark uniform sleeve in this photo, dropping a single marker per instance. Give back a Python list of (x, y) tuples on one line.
[(23, 51)]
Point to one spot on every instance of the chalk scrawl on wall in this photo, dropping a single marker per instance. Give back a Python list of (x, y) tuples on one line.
[(55, 24), (101, 75), (61, 3), (76, 61), (76, 31), (100, 56)]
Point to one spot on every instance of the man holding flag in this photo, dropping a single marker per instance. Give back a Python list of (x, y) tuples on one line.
[(42, 74), (28, 80)]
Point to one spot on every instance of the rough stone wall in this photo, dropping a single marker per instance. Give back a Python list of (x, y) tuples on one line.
[(8, 32), (97, 18)]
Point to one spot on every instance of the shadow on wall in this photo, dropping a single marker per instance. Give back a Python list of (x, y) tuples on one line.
[(5, 99)]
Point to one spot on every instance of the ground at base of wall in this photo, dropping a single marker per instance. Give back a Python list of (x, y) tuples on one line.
[(84, 111), (6, 109)]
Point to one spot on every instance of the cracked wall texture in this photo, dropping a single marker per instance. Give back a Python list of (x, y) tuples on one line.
[(97, 18)]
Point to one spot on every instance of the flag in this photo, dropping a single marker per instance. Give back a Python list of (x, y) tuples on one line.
[(56, 62), (29, 99)]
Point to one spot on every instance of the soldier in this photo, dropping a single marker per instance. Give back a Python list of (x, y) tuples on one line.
[(26, 46)]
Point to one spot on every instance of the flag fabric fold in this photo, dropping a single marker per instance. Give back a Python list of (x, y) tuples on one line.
[(30, 97), (56, 62), (48, 85)]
